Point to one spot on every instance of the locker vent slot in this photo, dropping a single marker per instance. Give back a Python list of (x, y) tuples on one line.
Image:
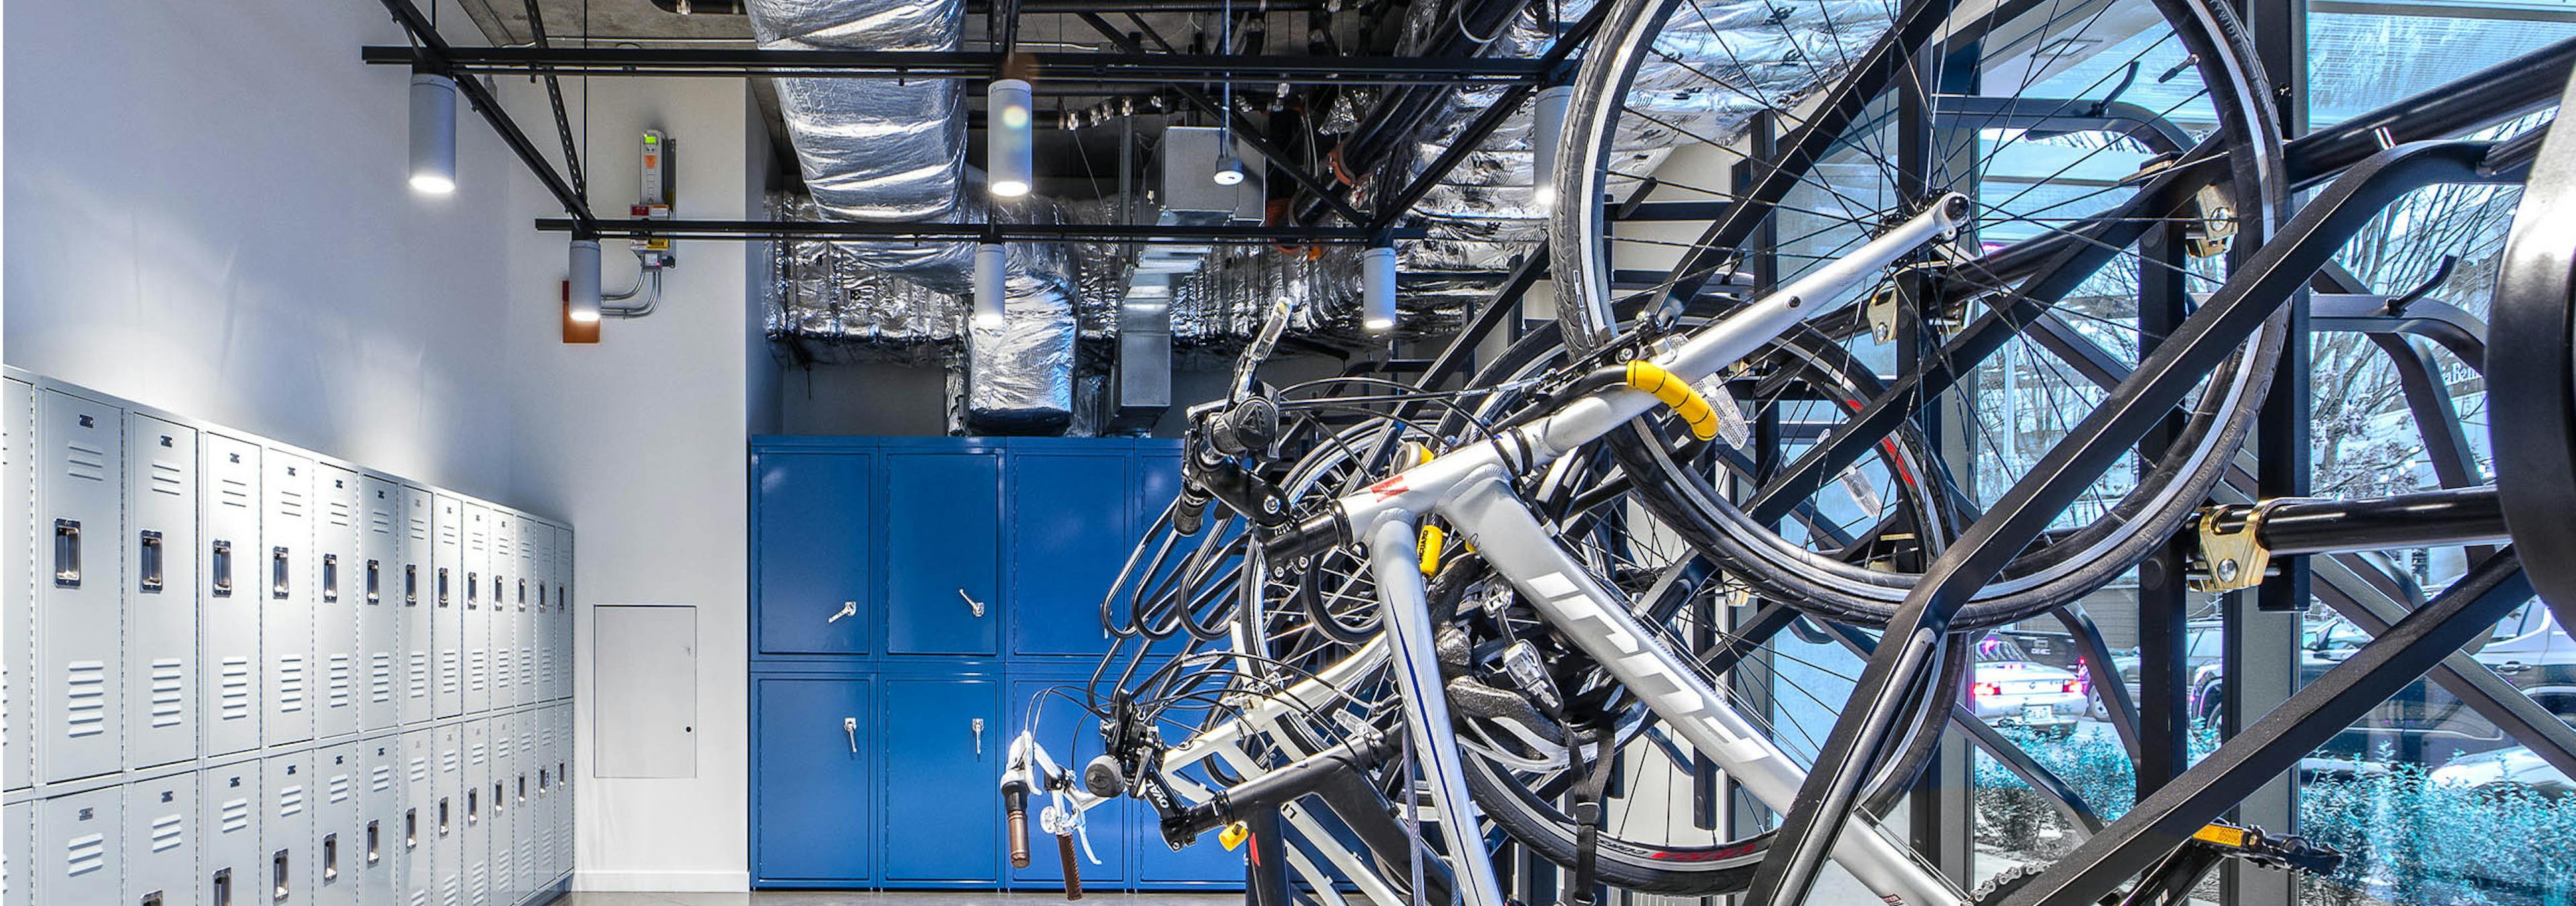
[(290, 683), (234, 702), (85, 690), (420, 770), (474, 668), (340, 789), (501, 669), (234, 815), (290, 801), (168, 479), (380, 778), (419, 674), (447, 762), (447, 671), (84, 854), (82, 462), (339, 680), (233, 492), (380, 677), (169, 691), (169, 832), (475, 754)]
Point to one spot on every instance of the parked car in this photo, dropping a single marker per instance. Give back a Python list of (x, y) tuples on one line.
[(2505, 768), (2006, 686)]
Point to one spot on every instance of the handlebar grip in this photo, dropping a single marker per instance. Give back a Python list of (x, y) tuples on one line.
[(1190, 514), (1072, 866), (1019, 838)]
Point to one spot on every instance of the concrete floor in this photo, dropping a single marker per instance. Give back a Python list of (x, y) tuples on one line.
[(901, 898)]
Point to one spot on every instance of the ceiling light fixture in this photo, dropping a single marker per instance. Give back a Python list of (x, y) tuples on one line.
[(433, 133), (1229, 170), (584, 277), (1009, 138), (991, 286), (1377, 289)]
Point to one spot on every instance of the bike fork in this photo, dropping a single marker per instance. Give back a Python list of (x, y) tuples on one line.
[(1407, 615)]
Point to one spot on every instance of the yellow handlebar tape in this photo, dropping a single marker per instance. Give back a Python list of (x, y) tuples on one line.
[(1677, 393)]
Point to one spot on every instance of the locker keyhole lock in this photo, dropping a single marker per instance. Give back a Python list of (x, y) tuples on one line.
[(850, 725), (848, 609), (971, 603)]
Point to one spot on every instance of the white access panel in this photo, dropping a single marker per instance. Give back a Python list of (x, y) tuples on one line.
[(17, 842), (450, 786), (415, 834), (415, 593), (284, 583), (161, 841), (501, 809), (340, 585), (77, 853), (286, 827), (230, 595), (477, 835), (527, 597), (18, 604), (504, 565), (340, 778), (379, 604), (478, 621), (447, 554), (161, 669), (376, 853), (230, 869), (80, 477)]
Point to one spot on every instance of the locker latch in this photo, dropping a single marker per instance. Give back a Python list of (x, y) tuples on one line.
[(850, 725), (848, 609), (971, 603), (978, 724)]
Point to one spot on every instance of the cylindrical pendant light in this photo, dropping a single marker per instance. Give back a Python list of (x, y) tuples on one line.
[(433, 133), (1229, 170), (991, 286), (1009, 137), (1377, 289), (1547, 122), (584, 300)]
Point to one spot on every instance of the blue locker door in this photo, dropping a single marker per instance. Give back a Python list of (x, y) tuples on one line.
[(943, 748), (1071, 737), (813, 552), (1071, 531), (811, 810), (942, 552)]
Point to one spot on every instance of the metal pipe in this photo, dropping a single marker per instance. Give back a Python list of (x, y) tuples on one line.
[(1057, 67), (972, 232), (2292, 526)]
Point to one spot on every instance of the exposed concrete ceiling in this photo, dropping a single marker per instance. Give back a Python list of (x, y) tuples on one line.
[(505, 22)]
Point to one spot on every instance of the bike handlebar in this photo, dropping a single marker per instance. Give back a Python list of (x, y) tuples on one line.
[(1072, 866), (1015, 802)]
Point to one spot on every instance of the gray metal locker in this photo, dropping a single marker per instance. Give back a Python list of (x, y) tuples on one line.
[(161, 841), (559, 751), (565, 622), (77, 848), (230, 870), (503, 563), (339, 586), (161, 592), (527, 823), (230, 595), (339, 778), (282, 577), (477, 563), (541, 625), (417, 835), (18, 604), (450, 786), (476, 837), (17, 841), (376, 852), (378, 595), (291, 792), (415, 593), (447, 554), (526, 580), (80, 510), (501, 809)]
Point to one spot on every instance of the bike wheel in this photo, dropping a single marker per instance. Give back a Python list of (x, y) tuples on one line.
[(2111, 149)]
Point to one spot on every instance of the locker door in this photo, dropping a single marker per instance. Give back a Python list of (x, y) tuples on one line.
[(499, 812), (942, 746), (378, 593), (524, 580), (565, 622), (161, 636), (447, 589), (565, 831), (525, 813), (283, 578), (378, 847), (415, 591), (813, 521), (17, 844), (18, 603), (230, 648), (450, 786), (477, 566), (812, 800), (161, 841), (339, 591), (80, 477), (1070, 737), (77, 852), (229, 867), (504, 566), (1070, 535), (942, 552), (475, 835), (541, 625), (416, 836), (340, 779), (286, 867)]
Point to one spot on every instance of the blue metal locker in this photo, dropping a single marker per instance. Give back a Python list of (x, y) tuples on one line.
[(161, 841), (229, 867), (1071, 530), (943, 749), (814, 740), (230, 654), (1071, 736), (161, 593), (815, 590), (942, 551)]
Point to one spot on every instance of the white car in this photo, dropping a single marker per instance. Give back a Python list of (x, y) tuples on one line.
[(2006, 686), (2514, 767)]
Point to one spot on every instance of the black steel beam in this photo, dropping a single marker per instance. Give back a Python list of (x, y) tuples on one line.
[(433, 53), (973, 232), (1469, 139), (1052, 67)]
